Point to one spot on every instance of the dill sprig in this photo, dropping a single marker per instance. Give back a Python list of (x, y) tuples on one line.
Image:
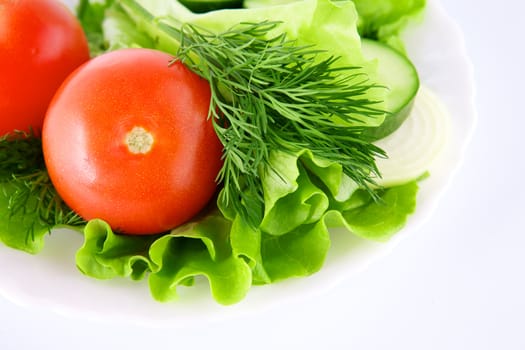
[(20, 153), (272, 94), (27, 186)]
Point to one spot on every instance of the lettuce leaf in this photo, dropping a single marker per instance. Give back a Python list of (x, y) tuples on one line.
[(298, 253), (107, 27), (379, 220), (106, 255), (198, 248), (330, 26), (309, 196), (91, 16), (381, 20)]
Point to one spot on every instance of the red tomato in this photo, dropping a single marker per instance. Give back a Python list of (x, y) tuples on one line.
[(127, 139), (41, 42)]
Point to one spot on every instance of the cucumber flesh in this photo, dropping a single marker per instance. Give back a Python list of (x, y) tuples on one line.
[(417, 145), (399, 75), (201, 6)]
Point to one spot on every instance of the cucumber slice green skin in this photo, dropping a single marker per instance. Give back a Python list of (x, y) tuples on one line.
[(401, 78), (201, 6)]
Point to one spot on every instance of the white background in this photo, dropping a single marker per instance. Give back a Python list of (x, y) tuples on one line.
[(459, 283)]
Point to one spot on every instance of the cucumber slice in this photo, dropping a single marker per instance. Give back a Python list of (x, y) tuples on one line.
[(201, 6), (400, 76), (417, 144)]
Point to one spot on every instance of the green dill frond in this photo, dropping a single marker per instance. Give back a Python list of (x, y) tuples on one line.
[(272, 94), (31, 193)]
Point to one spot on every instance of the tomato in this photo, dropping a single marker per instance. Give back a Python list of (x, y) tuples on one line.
[(41, 42), (127, 139)]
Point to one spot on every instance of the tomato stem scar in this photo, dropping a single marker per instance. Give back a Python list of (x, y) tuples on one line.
[(139, 140)]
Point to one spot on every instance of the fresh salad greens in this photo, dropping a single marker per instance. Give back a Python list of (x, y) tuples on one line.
[(292, 174), (381, 20)]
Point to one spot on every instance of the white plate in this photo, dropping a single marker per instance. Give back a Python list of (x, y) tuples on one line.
[(50, 280)]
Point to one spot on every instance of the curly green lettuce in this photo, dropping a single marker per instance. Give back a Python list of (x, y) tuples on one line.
[(381, 20)]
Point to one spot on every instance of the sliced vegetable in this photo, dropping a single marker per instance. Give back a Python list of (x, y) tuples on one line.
[(401, 79), (415, 146)]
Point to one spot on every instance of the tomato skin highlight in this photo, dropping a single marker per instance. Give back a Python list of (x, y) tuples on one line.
[(41, 43), (115, 104)]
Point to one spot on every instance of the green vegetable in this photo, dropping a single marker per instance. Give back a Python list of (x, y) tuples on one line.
[(400, 76), (91, 15), (381, 20), (384, 19), (197, 248), (379, 221)]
